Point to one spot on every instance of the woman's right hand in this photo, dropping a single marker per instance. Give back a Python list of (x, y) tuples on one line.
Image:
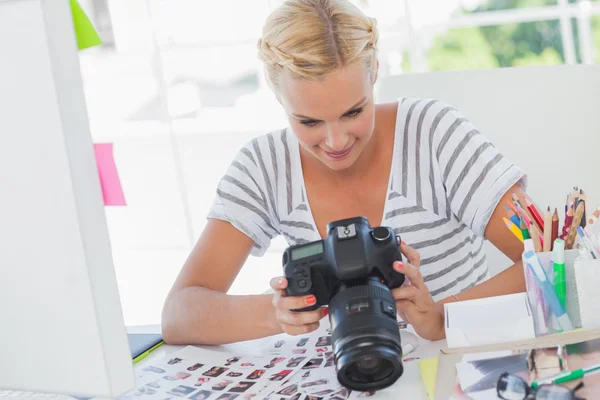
[(292, 322)]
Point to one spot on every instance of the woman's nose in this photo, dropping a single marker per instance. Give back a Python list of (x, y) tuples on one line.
[(336, 139)]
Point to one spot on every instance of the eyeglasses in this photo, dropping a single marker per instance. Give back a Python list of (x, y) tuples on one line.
[(512, 387)]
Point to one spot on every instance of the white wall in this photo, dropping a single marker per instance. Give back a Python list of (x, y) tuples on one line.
[(545, 119)]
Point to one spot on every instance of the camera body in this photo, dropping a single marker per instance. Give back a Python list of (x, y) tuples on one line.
[(351, 253)]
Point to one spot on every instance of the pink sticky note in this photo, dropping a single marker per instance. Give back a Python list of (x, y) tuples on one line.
[(109, 177)]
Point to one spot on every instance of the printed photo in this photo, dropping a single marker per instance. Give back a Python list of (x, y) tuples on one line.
[(155, 370), (302, 342), (279, 376), (323, 341), (195, 367), (234, 374), (241, 387), (329, 359), (183, 375), (306, 375), (322, 349), (247, 364), (313, 363), (279, 343), (222, 385), (201, 395), (249, 396), (232, 360), (170, 378), (181, 391), (202, 381), (174, 361), (154, 385), (345, 392), (256, 374), (146, 390), (323, 392), (289, 390), (294, 362), (215, 371), (299, 351), (296, 396), (227, 396), (274, 361), (315, 383)]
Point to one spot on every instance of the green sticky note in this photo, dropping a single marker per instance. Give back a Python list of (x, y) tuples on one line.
[(84, 30)]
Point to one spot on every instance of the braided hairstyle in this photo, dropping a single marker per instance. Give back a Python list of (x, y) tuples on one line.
[(313, 37)]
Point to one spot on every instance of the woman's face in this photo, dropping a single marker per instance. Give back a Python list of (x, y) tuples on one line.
[(333, 118)]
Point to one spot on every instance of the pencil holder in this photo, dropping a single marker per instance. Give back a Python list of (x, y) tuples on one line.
[(586, 277), (544, 320)]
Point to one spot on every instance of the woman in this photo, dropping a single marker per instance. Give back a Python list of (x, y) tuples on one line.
[(415, 165)]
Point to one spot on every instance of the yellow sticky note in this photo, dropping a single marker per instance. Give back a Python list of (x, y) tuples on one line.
[(84, 30), (428, 374)]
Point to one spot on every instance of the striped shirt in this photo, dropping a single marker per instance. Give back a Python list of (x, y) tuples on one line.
[(446, 180)]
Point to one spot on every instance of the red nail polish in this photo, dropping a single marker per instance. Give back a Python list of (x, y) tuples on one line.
[(325, 311), (310, 300), (399, 265), (403, 242)]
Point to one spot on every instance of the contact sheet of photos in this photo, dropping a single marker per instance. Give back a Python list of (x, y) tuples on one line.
[(198, 374), (293, 368)]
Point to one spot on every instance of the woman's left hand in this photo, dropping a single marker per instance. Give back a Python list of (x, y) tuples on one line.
[(413, 299)]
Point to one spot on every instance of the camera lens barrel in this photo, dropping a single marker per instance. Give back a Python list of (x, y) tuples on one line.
[(365, 336)]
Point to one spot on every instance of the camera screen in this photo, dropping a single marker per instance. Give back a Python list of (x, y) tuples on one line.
[(307, 251)]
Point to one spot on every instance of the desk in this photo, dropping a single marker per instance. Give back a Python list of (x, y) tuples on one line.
[(409, 385)]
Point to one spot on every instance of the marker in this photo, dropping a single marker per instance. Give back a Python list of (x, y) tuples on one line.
[(567, 376), (549, 294), (560, 281), (147, 352)]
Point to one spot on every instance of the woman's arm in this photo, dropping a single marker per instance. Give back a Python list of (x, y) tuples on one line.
[(198, 310), (511, 280)]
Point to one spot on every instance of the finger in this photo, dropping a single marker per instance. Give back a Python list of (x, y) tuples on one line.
[(407, 308), (299, 318), (411, 272), (406, 293), (287, 303), (411, 254), (278, 283), (299, 330)]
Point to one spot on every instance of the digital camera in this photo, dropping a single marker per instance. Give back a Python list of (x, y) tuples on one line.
[(351, 271)]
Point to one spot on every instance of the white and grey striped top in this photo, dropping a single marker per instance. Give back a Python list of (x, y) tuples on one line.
[(446, 180)]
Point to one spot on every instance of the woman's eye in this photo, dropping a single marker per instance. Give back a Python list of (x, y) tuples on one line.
[(309, 122), (354, 113)]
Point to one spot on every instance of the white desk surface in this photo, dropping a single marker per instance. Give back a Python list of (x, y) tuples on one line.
[(410, 385)]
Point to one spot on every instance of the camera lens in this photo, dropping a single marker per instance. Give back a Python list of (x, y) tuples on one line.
[(365, 336)]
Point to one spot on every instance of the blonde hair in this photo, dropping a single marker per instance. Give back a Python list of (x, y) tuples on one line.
[(313, 37)]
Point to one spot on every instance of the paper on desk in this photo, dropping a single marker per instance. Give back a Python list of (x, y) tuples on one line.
[(488, 320), (200, 374), (428, 370)]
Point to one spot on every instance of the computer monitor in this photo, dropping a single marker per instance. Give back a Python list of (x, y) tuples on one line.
[(61, 323)]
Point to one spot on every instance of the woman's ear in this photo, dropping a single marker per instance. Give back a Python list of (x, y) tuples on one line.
[(375, 73)]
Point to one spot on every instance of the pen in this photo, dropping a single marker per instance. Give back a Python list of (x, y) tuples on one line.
[(567, 376), (560, 281), (587, 242)]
